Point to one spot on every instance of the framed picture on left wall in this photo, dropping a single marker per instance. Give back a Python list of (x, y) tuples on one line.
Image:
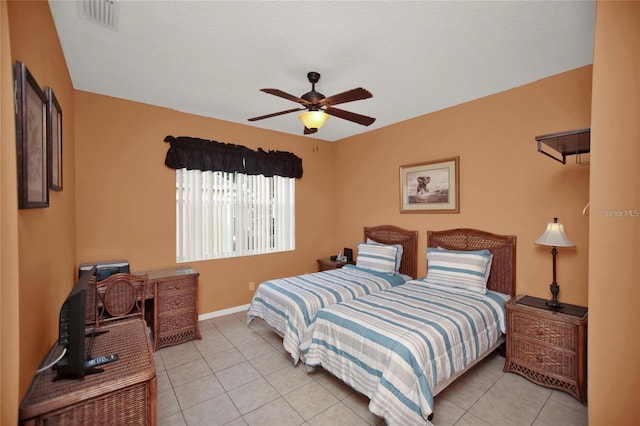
[(31, 140), (54, 139)]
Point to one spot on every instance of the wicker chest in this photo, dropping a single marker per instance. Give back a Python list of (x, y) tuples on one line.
[(548, 346), (125, 393)]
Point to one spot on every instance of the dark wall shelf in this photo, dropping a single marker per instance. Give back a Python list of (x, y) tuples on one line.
[(559, 145)]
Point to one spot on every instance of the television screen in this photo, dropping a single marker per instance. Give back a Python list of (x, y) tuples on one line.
[(72, 328)]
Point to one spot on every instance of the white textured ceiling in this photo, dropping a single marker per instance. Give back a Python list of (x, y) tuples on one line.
[(210, 58)]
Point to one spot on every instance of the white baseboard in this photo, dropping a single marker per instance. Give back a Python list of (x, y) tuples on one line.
[(223, 312)]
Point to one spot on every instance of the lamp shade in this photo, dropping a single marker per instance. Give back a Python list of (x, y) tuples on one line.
[(313, 119), (555, 236)]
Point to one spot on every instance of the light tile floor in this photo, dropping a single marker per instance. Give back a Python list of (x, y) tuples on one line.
[(241, 375)]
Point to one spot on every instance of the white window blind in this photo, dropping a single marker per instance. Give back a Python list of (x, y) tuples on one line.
[(220, 214)]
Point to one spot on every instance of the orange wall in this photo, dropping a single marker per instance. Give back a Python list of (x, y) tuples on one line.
[(9, 298), (126, 195), (120, 169), (614, 290), (506, 186), (46, 236)]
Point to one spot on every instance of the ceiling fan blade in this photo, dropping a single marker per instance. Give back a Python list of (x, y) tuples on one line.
[(308, 131), (351, 116), (275, 114), (285, 95), (348, 96)]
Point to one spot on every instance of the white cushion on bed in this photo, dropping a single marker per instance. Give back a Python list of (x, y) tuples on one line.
[(483, 251), (463, 269), (399, 247), (377, 257)]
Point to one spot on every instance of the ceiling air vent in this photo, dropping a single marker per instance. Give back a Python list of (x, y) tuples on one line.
[(101, 12)]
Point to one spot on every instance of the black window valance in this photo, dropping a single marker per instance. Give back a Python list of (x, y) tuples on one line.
[(202, 154)]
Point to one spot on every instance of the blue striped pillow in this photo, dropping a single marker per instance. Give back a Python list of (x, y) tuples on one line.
[(378, 258), (398, 252), (462, 269)]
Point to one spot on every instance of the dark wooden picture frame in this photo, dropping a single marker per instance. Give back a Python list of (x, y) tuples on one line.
[(430, 187), (31, 140), (54, 140)]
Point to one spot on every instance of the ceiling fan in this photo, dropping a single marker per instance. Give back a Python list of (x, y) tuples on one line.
[(317, 106)]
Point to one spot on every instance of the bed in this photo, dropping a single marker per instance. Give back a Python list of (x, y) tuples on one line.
[(290, 304), (404, 345)]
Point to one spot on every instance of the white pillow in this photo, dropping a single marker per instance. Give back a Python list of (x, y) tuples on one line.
[(399, 247), (462, 269), (483, 252), (377, 257)]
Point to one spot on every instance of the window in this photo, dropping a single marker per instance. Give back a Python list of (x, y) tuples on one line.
[(221, 214)]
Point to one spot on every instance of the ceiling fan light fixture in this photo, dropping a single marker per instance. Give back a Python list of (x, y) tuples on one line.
[(313, 119), (317, 107)]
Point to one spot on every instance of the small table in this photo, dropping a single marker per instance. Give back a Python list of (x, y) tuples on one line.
[(548, 345), (124, 394), (326, 264)]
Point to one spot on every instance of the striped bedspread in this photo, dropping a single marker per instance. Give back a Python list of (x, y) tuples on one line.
[(394, 346), (289, 305)]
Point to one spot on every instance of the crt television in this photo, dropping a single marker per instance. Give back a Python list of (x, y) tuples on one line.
[(105, 269)]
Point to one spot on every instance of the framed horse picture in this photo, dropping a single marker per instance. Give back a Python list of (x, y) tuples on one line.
[(430, 187)]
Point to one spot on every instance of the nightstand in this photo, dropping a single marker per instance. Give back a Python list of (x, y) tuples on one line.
[(548, 345), (326, 264)]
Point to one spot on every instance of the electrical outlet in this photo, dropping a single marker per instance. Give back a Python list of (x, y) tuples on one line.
[(252, 286)]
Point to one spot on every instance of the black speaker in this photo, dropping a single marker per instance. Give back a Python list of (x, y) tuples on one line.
[(348, 253)]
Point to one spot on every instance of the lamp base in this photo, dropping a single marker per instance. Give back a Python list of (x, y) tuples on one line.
[(555, 289), (554, 304)]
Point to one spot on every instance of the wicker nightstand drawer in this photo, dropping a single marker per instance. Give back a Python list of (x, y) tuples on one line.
[(548, 346), (555, 333), (545, 358)]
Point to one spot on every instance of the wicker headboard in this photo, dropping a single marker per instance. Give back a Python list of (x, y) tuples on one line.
[(503, 247), (389, 234)]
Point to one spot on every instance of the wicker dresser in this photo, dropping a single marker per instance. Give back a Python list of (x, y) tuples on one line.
[(548, 345), (175, 306), (124, 394)]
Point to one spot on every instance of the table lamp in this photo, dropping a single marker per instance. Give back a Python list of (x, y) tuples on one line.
[(554, 236)]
